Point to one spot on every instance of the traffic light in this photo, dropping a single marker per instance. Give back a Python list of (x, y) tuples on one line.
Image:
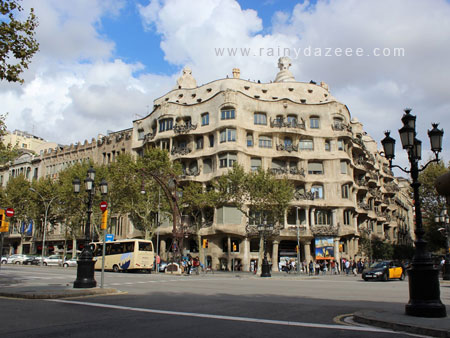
[(234, 247), (296, 248), (104, 223), (205, 243), (4, 226)]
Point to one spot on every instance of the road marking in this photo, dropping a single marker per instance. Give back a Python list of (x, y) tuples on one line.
[(230, 318)]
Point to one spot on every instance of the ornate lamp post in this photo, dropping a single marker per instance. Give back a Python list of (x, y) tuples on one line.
[(424, 293), (444, 220), (264, 230), (85, 268)]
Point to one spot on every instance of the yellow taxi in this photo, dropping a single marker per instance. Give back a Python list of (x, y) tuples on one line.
[(384, 270)]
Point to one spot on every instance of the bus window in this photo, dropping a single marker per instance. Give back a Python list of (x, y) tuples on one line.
[(117, 248), (98, 249), (143, 246), (128, 247)]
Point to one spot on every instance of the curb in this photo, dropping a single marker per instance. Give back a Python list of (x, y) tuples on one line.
[(68, 293), (368, 318)]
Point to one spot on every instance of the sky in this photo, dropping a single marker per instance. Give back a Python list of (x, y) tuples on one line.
[(101, 63)]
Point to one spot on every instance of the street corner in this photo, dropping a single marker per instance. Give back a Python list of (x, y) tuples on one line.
[(398, 321)]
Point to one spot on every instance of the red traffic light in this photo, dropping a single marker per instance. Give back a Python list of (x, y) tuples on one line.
[(103, 206), (9, 212)]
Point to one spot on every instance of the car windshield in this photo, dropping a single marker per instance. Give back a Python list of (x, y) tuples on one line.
[(379, 265)]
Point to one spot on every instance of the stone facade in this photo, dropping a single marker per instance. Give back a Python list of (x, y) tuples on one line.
[(344, 187)]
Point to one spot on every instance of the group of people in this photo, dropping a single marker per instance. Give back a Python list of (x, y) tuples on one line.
[(191, 264), (323, 266)]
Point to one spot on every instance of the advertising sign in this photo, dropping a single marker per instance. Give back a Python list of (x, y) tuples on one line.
[(324, 248)]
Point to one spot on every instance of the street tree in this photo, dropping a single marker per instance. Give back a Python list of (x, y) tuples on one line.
[(17, 40), (432, 204), (135, 192), (17, 196), (259, 195)]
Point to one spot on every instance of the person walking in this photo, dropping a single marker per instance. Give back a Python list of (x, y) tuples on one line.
[(311, 268)]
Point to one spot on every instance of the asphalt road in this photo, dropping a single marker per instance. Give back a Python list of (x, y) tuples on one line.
[(219, 305)]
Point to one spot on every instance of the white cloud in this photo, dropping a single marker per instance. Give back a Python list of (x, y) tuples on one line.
[(75, 90)]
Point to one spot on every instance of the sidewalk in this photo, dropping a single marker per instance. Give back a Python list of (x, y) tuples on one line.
[(53, 292)]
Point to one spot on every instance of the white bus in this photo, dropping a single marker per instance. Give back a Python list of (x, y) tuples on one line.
[(125, 255)]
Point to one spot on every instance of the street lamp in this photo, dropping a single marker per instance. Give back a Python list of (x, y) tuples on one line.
[(444, 220), (85, 267), (47, 207), (424, 293), (264, 230)]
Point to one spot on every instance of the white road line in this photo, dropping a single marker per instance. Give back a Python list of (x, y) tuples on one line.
[(231, 318)]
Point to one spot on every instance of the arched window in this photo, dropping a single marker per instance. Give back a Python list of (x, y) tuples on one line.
[(314, 122), (260, 118), (317, 191), (227, 113)]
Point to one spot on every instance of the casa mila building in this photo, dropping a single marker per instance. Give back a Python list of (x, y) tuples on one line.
[(344, 189)]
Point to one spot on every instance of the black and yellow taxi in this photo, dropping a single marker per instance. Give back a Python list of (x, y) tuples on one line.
[(384, 270)]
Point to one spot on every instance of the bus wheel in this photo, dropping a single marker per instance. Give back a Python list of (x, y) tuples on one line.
[(116, 268)]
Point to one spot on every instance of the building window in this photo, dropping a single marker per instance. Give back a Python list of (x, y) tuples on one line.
[(165, 124), (227, 160), (255, 163), (315, 168), (228, 135), (211, 141), (140, 134), (343, 167), (340, 144), (317, 191), (287, 142), (165, 144), (327, 145), (265, 141), (322, 217), (227, 114), (260, 118), (199, 142), (207, 166), (345, 191), (249, 140), (292, 119), (205, 119), (306, 145), (347, 217), (314, 122)]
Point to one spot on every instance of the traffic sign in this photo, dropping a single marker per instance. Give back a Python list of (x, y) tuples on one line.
[(109, 238), (9, 212), (103, 206)]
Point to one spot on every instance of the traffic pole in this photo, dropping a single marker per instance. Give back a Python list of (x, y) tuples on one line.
[(1, 249)]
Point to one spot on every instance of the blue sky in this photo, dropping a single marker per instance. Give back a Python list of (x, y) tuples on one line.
[(102, 62)]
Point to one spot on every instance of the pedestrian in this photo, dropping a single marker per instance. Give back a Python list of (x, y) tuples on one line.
[(311, 268), (347, 267), (354, 268)]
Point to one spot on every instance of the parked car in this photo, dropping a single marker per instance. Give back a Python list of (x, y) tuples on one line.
[(162, 266), (53, 260), (384, 271), (16, 259), (4, 259), (70, 262), (35, 260)]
